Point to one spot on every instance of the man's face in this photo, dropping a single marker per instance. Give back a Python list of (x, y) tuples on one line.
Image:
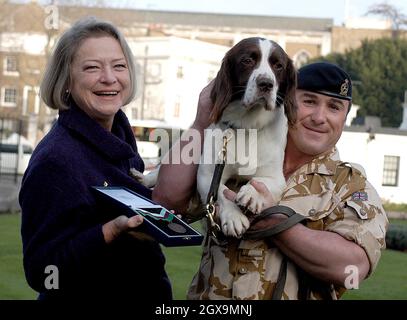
[(320, 121)]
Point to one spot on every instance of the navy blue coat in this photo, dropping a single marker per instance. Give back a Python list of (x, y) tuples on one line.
[(62, 220)]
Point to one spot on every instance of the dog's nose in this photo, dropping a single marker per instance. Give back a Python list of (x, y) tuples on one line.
[(264, 84)]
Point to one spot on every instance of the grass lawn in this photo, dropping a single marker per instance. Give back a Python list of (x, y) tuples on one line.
[(12, 281), (398, 222), (388, 282)]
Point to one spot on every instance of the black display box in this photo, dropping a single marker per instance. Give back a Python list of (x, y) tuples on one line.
[(159, 222)]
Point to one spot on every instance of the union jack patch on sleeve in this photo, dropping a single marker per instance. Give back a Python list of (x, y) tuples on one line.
[(359, 196)]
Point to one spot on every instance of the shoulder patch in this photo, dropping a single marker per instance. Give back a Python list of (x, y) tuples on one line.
[(359, 196)]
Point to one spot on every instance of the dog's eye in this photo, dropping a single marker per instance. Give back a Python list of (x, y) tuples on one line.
[(247, 61), (278, 66)]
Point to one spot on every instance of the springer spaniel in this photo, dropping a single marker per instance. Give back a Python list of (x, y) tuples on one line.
[(254, 89)]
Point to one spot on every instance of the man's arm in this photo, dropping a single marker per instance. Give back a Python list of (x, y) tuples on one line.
[(176, 182), (323, 254)]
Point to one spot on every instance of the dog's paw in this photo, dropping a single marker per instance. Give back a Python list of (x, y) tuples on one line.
[(137, 175), (148, 180), (234, 223), (249, 198)]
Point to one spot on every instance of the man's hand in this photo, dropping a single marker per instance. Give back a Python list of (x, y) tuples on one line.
[(205, 106), (112, 229)]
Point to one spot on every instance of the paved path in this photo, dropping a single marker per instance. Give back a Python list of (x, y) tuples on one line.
[(9, 190)]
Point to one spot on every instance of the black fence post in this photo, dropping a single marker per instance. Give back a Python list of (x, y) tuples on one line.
[(1, 143), (20, 150)]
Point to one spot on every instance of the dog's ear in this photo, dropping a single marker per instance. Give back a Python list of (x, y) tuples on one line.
[(221, 93), (287, 92)]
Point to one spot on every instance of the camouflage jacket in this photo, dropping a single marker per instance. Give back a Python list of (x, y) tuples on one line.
[(333, 196)]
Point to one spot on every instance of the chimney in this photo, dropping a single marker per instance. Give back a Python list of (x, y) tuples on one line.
[(403, 125)]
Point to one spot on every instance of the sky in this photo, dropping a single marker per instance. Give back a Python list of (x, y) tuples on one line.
[(297, 8)]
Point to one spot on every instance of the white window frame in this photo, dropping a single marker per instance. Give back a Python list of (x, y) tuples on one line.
[(3, 97), (177, 107), (391, 171), (7, 72), (180, 72)]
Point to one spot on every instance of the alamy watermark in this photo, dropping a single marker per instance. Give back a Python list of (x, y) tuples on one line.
[(51, 21), (241, 147), (52, 280), (352, 280)]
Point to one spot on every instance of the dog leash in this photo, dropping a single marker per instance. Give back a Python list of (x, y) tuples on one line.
[(292, 219), (213, 189)]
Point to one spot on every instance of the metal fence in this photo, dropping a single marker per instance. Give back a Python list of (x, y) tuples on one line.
[(14, 154)]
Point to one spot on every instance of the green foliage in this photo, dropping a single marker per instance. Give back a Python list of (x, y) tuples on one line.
[(379, 75), (399, 207), (396, 237)]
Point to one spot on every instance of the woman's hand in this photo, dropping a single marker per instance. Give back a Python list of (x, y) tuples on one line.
[(112, 229)]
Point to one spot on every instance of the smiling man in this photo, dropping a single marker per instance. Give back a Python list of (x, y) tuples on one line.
[(324, 97), (339, 242)]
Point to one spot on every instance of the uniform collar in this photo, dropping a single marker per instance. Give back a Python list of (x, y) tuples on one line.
[(118, 144), (324, 164)]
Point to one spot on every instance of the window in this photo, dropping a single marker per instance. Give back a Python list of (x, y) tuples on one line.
[(211, 75), (177, 107), (301, 58), (180, 72), (391, 171), (9, 97), (134, 113), (10, 65)]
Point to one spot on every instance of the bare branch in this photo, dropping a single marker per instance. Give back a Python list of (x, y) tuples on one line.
[(390, 12)]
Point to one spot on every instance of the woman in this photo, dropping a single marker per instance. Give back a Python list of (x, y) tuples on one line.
[(89, 78)]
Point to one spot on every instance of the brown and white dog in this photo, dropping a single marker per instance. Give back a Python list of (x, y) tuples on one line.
[(254, 89)]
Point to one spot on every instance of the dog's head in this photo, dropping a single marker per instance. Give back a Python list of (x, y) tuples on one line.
[(255, 71)]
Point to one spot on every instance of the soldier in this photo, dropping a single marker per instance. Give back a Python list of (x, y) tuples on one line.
[(340, 240)]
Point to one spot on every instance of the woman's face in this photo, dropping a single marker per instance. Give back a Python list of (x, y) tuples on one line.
[(100, 79)]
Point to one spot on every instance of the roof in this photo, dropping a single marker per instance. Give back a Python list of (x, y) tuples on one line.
[(128, 18), (213, 20), (381, 130)]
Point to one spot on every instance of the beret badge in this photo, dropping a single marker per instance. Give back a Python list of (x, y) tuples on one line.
[(344, 88)]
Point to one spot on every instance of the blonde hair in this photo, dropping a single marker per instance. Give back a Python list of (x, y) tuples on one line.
[(56, 81)]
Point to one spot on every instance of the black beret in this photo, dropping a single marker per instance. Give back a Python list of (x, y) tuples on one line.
[(325, 78)]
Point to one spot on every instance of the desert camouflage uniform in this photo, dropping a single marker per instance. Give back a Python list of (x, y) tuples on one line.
[(333, 196)]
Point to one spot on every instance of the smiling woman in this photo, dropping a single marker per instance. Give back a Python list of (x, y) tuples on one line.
[(100, 79), (89, 78)]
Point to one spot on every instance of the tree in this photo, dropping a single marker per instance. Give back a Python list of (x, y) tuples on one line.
[(379, 75), (390, 12)]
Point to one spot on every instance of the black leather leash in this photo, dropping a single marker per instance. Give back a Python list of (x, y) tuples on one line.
[(213, 190), (292, 219)]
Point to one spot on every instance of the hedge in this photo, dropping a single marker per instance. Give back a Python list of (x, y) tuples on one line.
[(396, 237)]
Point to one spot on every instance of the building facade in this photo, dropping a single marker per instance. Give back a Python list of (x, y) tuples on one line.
[(380, 151), (29, 31), (176, 55)]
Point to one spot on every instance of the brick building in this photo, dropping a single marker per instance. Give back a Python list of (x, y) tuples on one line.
[(197, 41)]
